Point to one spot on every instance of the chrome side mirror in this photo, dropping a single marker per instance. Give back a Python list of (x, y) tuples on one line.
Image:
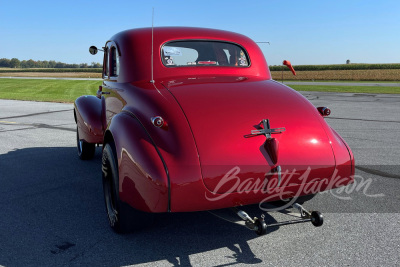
[(93, 50)]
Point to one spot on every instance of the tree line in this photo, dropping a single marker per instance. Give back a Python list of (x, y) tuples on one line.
[(16, 63)]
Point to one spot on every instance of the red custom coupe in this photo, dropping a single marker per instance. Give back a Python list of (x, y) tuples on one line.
[(190, 120)]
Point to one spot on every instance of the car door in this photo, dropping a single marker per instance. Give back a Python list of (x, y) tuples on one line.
[(113, 101)]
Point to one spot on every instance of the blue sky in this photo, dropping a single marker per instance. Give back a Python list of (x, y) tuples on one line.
[(304, 32)]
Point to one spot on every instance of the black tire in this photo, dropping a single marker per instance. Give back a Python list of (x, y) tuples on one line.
[(261, 227), (121, 217), (85, 150), (316, 218)]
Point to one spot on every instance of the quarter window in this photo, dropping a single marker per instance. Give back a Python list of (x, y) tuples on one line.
[(114, 60), (105, 63)]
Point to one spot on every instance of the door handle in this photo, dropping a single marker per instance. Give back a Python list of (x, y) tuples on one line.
[(100, 92)]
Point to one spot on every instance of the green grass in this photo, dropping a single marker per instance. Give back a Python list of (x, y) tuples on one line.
[(69, 90), (348, 89), (46, 90)]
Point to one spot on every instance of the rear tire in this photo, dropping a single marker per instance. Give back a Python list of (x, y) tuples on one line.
[(121, 217), (85, 150)]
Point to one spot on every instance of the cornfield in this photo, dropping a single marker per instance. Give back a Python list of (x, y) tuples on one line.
[(365, 72), (341, 67), (347, 75)]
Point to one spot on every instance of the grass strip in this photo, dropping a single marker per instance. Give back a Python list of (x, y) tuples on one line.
[(46, 90), (67, 91)]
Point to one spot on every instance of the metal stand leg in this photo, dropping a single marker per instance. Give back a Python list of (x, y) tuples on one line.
[(260, 227)]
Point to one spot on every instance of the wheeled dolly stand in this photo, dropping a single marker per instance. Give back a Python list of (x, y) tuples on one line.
[(260, 227)]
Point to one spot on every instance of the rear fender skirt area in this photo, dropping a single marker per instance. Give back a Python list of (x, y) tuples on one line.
[(144, 181)]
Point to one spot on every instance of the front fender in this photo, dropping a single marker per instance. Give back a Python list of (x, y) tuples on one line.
[(143, 176), (89, 116)]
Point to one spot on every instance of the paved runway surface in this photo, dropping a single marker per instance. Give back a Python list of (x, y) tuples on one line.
[(52, 211)]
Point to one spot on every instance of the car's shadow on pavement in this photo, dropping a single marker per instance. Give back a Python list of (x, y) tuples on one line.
[(52, 213)]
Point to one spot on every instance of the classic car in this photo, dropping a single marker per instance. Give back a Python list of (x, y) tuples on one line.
[(189, 119)]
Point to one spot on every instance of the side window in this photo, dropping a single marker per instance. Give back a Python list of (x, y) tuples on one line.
[(114, 60), (105, 63)]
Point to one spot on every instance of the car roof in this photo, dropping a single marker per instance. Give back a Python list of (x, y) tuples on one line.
[(135, 45)]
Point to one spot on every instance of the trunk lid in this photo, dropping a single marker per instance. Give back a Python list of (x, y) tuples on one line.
[(221, 111)]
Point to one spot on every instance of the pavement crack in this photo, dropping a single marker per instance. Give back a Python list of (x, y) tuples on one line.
[(38, 126), (35, 114), (90, 247), (377, 172), (62, 247), (54, 127)]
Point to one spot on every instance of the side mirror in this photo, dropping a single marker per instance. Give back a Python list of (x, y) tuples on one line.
[(93, 50)]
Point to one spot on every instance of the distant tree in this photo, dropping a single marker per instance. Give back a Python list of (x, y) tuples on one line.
[(23, 64), (39, 64), (52, 64), (15, 63), (45, 64), (96, 65), (4, 62), (30, 63), (59, 65)]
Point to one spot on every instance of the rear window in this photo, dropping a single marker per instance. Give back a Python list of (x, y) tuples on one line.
[(203, 53)]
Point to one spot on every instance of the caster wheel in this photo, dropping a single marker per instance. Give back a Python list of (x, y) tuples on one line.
[(316, 218), (261, 227)]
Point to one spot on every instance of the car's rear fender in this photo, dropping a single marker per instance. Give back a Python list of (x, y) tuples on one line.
[(143, 175), (90, 118)]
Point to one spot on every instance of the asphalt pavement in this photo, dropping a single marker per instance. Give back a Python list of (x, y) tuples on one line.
[(52, 209)]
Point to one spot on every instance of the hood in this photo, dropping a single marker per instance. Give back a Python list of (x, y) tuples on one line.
[(222, 112)]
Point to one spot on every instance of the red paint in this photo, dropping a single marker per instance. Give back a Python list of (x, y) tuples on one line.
[(207, 111), (88, 114)]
